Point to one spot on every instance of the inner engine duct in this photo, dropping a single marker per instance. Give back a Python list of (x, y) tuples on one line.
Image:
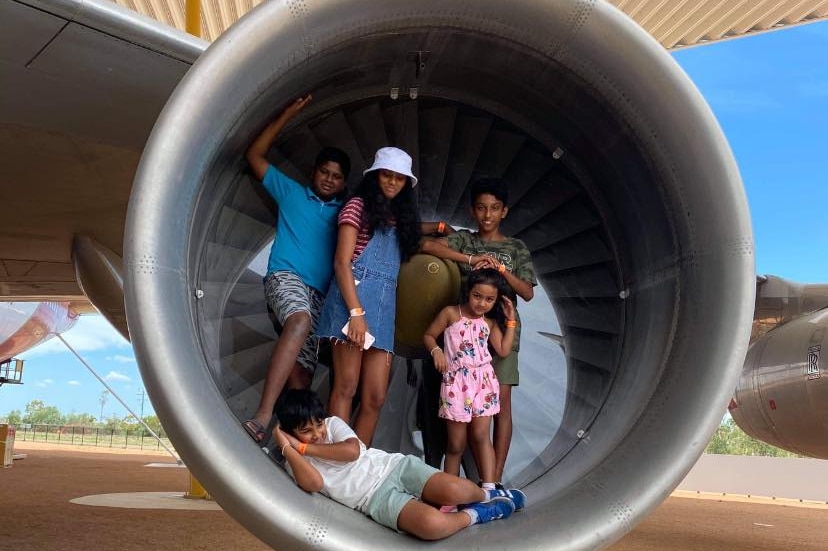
[(624, 188)]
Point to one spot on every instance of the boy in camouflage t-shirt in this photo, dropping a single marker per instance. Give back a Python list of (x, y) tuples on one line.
[(489, 199)]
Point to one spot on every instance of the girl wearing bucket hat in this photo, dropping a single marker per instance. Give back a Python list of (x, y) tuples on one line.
[(379, 227)]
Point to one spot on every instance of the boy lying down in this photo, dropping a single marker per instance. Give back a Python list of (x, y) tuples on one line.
[(324, 455)]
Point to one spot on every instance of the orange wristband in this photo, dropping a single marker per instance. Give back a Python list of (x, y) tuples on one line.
[(509, 323), (441, 227), (501, 268), (301, 448)]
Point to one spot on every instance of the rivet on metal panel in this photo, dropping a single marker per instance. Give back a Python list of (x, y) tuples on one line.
[(419, 58)]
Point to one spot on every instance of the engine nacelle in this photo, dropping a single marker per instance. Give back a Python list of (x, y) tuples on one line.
[(782, 396), (623, 188)]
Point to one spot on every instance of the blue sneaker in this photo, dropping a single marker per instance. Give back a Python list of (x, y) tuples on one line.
[(517, 496), (494, 509)]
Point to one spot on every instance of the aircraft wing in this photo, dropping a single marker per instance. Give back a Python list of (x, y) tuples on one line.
[(83, 82)]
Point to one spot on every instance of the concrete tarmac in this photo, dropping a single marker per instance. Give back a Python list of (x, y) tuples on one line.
[(37, 513)]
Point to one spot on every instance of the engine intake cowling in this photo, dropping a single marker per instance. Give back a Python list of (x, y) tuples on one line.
[(624, 189)]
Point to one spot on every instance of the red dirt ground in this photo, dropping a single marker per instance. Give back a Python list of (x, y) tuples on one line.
[(37, 515)]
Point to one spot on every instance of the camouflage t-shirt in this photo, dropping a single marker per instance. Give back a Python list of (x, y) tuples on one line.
[(511, 252)]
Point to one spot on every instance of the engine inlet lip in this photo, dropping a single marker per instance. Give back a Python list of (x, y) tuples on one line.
[(715, 270)]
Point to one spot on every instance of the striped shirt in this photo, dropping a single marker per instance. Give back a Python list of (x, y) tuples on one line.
[(352, 215)]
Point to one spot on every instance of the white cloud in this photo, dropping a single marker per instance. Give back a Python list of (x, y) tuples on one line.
[(74, 383), (48, 381), (117, 376), (91, 332), (41, 384), (120, 358)]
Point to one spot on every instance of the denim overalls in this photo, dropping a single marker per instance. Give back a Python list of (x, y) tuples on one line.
[(376, 269)]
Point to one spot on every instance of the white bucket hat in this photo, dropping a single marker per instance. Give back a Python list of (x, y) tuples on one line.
[(393, 158)]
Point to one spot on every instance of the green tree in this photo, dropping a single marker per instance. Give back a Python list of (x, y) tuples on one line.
[(114, 423), (79, 419), (153, 423), (14, 417), (719, 442), (37, 412), (729, 439), (34, 406)]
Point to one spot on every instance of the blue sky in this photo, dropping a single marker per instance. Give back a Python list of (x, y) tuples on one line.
[(54, 375), (770, 94)]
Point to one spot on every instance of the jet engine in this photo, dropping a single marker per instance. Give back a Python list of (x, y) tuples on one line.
[(780, 397), (623, 187)]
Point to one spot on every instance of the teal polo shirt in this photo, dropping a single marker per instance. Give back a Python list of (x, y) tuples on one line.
[(306, 230)]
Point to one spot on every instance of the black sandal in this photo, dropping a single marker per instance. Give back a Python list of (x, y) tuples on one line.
[(255, 430)]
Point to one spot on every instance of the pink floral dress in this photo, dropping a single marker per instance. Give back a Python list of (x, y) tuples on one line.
[(470, 387)]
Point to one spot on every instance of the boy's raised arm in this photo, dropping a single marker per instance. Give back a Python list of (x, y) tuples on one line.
[(258, 149), (345, 451), (438, 248), (524, 289), (441, 228)]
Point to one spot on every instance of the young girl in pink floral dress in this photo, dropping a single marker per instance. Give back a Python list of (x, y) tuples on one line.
[(469, 394)]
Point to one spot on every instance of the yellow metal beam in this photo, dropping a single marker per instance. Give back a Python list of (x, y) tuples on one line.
[(197, 491), (193, 17)]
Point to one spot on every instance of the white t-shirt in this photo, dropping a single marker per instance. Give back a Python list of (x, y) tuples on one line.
[(351, 483)]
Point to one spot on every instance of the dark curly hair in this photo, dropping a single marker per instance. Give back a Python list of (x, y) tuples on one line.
[(490, 276), (400, 212)]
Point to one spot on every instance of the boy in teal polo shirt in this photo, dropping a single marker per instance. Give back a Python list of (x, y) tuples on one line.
[(297, 277)]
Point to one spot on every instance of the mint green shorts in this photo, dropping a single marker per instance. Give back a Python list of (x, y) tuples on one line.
[(404, 483)]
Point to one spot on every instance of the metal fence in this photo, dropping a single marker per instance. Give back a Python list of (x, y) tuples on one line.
[(137, 438)]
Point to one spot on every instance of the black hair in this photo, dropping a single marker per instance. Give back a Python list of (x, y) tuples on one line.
[(493, 186), (400, 212), (296, 407), (336, 155), (490, 276)]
